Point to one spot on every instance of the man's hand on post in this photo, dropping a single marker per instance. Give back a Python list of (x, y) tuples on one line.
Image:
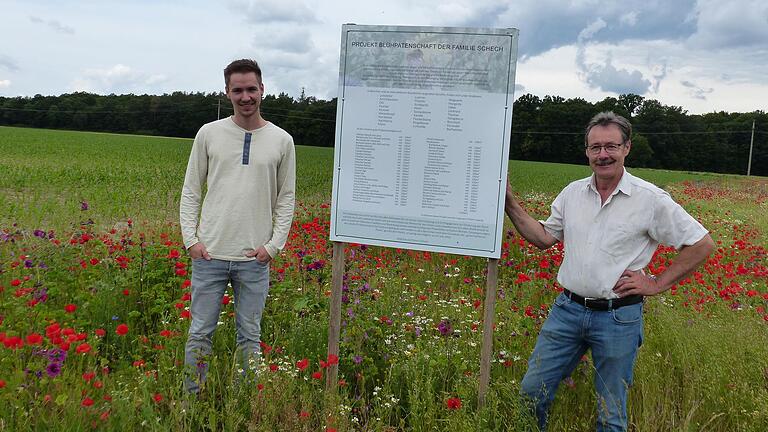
[(261, 255), (198, 250)]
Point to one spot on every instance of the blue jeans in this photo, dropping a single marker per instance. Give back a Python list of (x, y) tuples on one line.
[(250, 282), (614, 337)]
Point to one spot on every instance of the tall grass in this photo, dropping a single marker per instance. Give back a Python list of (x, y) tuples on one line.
[(703, 365)]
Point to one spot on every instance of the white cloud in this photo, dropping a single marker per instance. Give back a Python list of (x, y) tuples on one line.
[(696, 91), (629, 18), (298, 41), (607, 77), (8, 63), (55, 25), (117, 79), (737, 23), (259, 12), (590, 30), (5, 83)]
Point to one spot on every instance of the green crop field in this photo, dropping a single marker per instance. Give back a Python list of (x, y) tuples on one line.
[(94, 299)]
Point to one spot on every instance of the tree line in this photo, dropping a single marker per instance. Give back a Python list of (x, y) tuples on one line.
[(548, 129)]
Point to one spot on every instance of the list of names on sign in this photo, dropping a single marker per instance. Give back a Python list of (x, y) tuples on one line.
[(422, 138)]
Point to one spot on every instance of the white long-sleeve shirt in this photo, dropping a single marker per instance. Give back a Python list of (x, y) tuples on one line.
[(250, 178)]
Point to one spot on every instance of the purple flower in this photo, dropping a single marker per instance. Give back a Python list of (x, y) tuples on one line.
[(39, 233), (83, 205), (29, 263), (53, 370), (445, 327), (57, 355), (41, 295), (358, 359)]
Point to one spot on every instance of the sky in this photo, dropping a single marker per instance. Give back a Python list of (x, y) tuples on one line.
[(702, 55)]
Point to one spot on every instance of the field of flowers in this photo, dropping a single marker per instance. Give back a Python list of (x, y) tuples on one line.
[(94, 298)]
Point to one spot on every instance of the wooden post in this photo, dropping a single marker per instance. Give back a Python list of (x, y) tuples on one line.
[(488, 313), (334, 326)]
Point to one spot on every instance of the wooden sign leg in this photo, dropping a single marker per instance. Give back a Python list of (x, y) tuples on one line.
[(491, 284), (334, 326)]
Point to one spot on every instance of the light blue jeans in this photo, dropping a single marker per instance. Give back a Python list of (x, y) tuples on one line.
[(250, 282), (614, 337)]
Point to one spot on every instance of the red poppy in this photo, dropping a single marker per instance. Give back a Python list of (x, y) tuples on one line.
[(100, 332), (302, 364), (453, 403), (157, 397), (2, 383), (70, 308), (34, 339), (88, 376), (83, 348), (126, 292), (273, 367), (15, 282), (122, 330), (317, 375), (225, 300), (185, 314), (87, 402), (260, 386)]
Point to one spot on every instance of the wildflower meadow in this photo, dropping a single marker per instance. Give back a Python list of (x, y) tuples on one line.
[(94, 309)]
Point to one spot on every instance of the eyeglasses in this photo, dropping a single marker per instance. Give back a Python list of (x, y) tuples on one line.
[(610, 148)]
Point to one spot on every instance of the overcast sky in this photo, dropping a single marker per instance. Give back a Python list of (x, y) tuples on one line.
[(703, 55)]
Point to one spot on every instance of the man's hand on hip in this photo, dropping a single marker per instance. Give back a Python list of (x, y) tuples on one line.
[(636, 282), (198, 250), (261, 254)]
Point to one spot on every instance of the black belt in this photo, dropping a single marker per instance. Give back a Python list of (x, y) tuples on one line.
[(603, 304)]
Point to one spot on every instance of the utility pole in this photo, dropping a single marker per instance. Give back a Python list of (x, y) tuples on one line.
[(751, 142), (218, 110)]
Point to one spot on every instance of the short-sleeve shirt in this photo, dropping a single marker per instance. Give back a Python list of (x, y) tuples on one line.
[(602, 240)]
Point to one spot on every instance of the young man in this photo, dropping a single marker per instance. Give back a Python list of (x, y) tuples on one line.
[(610, 225), (249, 167)]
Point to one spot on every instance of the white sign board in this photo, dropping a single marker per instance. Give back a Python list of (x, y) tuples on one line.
[(422, 137)]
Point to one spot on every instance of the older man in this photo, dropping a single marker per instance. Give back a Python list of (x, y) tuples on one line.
[(610, 224)]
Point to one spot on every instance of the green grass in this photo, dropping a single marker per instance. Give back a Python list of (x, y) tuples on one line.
[(702, 366)]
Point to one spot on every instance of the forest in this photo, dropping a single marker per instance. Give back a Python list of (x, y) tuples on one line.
[(548, 129)]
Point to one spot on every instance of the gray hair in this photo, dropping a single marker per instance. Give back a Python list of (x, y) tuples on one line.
[(607, 118)]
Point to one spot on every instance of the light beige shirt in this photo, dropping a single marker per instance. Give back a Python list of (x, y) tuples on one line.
[(602, 240), (249, 203)]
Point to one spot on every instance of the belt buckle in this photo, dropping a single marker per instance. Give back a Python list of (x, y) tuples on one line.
[(587, 299)]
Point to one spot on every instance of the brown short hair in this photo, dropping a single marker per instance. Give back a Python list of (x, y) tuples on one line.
[(606, 118), (241, 66)]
